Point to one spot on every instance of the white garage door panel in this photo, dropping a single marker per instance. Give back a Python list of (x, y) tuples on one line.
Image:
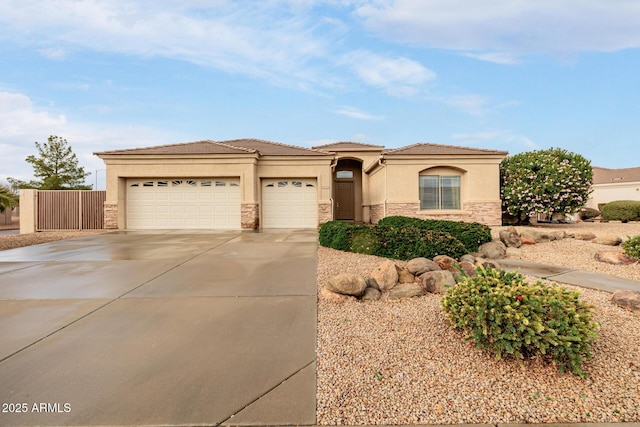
[(183, 203), (289, 203)]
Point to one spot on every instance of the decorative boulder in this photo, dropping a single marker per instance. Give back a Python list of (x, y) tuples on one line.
[(347, 284), (370, 294), (417, 266), (486, 263), (327, 295), (527, 240), (584, 236), (493, 250), (608, 240), (445, 262), (537, 235), (468, 267), (615, 258), (514, 253), (371, 283), (386, 275), (406, 290), (510, 238), (404, 276), (627, 299), (468, 258), (436, 282)]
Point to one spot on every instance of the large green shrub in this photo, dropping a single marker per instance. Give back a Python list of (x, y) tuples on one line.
[(544, 181), (501, 312), (408, 242), (631, 247), (390, 242), (333, 234), (471, 234), (588, 213), (621, 210)]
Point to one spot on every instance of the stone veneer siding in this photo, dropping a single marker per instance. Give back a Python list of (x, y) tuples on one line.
[(110, 212), (376, 213), (488, 213), (250, 216), (324, 213)]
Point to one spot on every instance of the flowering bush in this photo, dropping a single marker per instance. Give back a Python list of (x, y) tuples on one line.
[(544, 181), (501, 312)]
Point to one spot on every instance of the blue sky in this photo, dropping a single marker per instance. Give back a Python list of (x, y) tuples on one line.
[(514, 75)]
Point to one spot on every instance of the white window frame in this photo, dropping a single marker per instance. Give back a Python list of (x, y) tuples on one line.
[(440, 203)]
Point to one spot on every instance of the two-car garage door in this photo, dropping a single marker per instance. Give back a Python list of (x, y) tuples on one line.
[(214, 203), (210, 203)]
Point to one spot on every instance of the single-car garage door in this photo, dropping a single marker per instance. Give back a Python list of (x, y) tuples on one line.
[(210, 203), (289, 203)]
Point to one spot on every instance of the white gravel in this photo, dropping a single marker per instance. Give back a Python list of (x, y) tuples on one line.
[(400, 363)]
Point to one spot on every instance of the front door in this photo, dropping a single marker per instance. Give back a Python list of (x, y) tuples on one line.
[(344, 209)]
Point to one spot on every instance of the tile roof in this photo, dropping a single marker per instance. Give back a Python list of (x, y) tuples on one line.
[(438, 149), (608, 176), (197, 147), (349, 146), (236, 146), (269, 148)]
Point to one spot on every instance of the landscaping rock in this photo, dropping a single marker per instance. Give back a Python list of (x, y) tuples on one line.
[(608, 240), (327, 295), (371, 283), (527, 240), (559, 235), (418, 266), (370, 294), (510, 238), (404, 276), (468, 258), (493, 250), (584, 236), (468, 267), (514, 253), (437, 281), (406, 290), (386, 275), (615, 258), (347, 284), (538, 236), (627, 299), (445, 262), (486, 263)]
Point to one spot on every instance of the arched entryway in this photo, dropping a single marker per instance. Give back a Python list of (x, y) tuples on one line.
[(347, 190)]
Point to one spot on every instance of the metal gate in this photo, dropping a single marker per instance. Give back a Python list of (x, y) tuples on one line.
[(70, 210)]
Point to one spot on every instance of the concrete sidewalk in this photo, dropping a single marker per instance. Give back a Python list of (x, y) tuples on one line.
[(585, 279)]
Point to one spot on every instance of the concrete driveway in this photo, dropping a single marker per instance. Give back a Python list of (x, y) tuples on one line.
[(160, 328)]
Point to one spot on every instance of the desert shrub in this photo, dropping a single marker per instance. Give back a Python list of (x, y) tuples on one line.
[(390, 242), (501, 312), (588, 213), (333, 234), (621, 210), (631, 247), (408, 242), (470, 234)]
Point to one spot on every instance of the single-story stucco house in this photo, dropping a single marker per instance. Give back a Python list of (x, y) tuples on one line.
[(610, 185), (251, 183)]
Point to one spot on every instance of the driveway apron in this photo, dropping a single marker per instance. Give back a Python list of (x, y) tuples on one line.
[(160, 328)]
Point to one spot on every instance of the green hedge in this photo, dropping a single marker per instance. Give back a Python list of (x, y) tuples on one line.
[(390, 242), (501, 312), (621, 210), (471, 234)]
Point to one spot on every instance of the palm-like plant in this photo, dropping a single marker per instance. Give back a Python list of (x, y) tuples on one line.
[(8, 199)]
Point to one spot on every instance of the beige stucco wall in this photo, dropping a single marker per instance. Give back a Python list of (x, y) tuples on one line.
[(27, 211), (605, 193)]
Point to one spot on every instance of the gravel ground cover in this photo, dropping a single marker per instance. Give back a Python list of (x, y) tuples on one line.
[(400, 363), (11, 241)]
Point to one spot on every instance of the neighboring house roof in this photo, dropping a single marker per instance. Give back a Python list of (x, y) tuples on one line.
[(236, 146), (608, 176), (349, 146), (197, 147), (438, 149)]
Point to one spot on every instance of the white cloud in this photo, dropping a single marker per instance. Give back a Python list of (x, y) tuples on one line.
[(398, 76), (473, 104), (496, 57), (355, 113), (54, 53), (23, 122), (507, 26)]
